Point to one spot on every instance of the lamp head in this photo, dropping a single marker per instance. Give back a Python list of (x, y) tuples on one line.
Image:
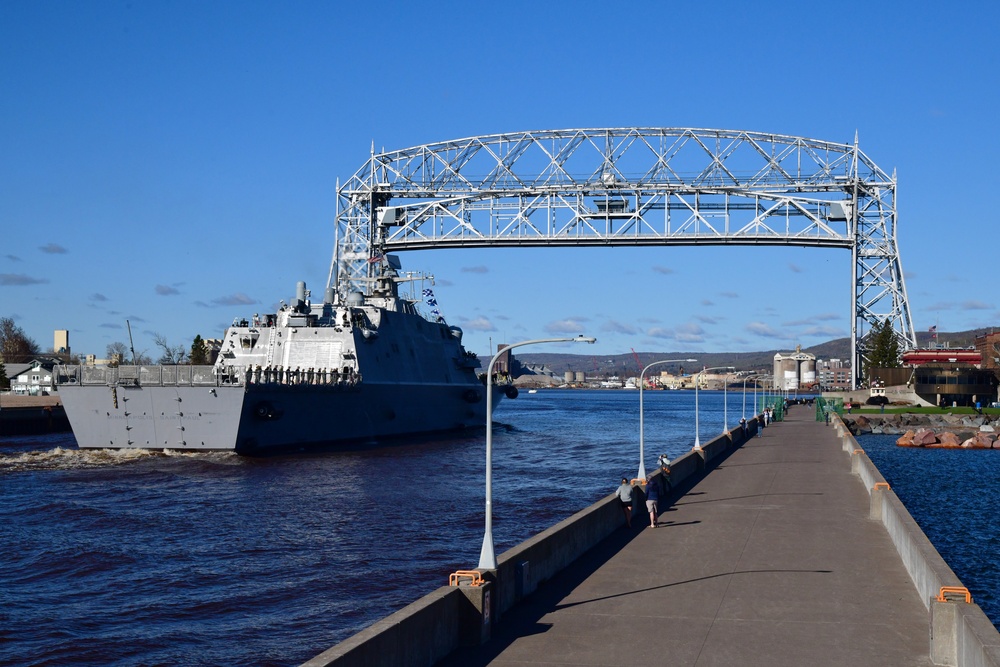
[(582, 339)]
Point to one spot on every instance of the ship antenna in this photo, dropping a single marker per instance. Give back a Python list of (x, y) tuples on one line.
[(130, 344)]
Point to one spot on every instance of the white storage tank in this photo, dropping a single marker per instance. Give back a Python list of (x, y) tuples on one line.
[(580, 376)]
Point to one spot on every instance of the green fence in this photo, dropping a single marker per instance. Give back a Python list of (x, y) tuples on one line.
[(825, 405), (776, 403)]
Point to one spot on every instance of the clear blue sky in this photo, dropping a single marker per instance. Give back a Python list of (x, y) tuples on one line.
[(174, 163)]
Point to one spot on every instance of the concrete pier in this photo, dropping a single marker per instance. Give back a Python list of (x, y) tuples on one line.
[(771, 559), (787, 549)]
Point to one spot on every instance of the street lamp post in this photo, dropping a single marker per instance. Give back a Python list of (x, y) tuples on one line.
[(745, 378), (487, 557), (697, 441), (642, 465)]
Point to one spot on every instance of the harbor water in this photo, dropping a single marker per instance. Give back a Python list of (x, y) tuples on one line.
[(952, 495), (139, 558)]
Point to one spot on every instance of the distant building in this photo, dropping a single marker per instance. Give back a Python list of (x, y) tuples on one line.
[(794, 370), (833, 374), (60, 344), (988, 347), (952, 376)]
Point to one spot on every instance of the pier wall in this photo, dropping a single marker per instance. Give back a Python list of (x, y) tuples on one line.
[(31, 415), (961, 635), (432, 627)]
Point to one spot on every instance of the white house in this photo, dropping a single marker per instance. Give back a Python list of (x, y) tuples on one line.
[(34, 379)]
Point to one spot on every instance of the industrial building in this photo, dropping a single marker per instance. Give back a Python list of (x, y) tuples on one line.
[(794, 370)]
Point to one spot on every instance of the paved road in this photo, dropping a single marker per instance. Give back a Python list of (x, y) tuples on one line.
[(770, 560)]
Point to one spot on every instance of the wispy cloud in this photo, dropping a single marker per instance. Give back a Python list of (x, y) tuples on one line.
[(564, 327), (764, 330), (660, 332), (823, 331), (688, 332), (941, 305), (53, 249), (707, 319), (166, 290), (614, 326), (479, 324), (666, 270), (13, 258), (707, 302), (794, 268), (729, 295), (97, 296), (110, 325), (824, 317), (975, 305), (475, 269), (19, 279), (238, 299)]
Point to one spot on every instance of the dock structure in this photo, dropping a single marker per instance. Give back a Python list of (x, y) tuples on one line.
[(771, 559), (784, 549)]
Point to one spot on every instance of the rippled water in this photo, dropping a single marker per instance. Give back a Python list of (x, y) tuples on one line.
[(952, 495), (138, 558)]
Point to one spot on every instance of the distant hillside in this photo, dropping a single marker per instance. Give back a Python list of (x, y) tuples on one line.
[(625, 364)]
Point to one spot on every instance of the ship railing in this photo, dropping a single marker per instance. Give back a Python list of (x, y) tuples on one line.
[(148, 376)]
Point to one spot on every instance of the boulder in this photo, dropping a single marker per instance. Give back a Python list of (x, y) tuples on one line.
[(982, 441), (949, 439), (905, 440), (924, 437), (862, 424)]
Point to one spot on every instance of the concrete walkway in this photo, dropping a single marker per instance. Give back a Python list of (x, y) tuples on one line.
[(770, 560)]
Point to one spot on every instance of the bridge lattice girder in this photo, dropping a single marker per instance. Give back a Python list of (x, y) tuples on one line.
[(631, 186)]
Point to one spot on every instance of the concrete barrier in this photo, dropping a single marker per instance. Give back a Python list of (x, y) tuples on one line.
[(438, 623), (961, 635), (421, 633)]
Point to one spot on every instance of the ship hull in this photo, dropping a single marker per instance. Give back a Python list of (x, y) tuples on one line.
[(262, 419)]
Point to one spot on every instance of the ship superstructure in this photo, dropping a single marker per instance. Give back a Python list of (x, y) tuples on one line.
[(354, 368)]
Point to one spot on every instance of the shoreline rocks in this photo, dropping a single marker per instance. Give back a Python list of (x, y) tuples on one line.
[(944, 431)]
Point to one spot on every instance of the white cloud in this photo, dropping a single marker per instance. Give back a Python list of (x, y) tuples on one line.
[(564, 327), (478, 324)]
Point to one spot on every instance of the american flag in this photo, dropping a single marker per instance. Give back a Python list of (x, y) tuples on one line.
[(933, 331)]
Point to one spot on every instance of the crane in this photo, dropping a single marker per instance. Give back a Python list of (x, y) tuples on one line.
[(638, 363)]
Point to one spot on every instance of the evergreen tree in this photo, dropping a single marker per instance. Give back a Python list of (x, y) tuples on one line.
[(883, 347), (4, 382), (199, 352)]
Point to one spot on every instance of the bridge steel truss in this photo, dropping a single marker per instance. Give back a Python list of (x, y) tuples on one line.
[(631, 187)]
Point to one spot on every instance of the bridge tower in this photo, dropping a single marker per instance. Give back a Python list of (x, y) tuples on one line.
[(631, 186)]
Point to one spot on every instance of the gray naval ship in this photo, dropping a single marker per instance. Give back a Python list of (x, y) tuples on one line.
[(354, 370)]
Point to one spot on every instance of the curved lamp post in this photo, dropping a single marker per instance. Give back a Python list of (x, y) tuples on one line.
[(487, 558), (745, 378), (642, 465), (697, 441)]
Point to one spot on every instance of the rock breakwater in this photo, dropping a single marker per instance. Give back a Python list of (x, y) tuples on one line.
[(946, 431)]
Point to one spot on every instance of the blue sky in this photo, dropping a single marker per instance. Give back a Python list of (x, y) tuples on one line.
[(174, 163)]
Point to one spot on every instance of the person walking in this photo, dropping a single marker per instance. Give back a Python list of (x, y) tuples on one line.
[(652, 498), (624, 494)]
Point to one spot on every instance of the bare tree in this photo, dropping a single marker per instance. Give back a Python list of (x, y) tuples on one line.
[(15, 346), (117, 353), (171, 354)]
